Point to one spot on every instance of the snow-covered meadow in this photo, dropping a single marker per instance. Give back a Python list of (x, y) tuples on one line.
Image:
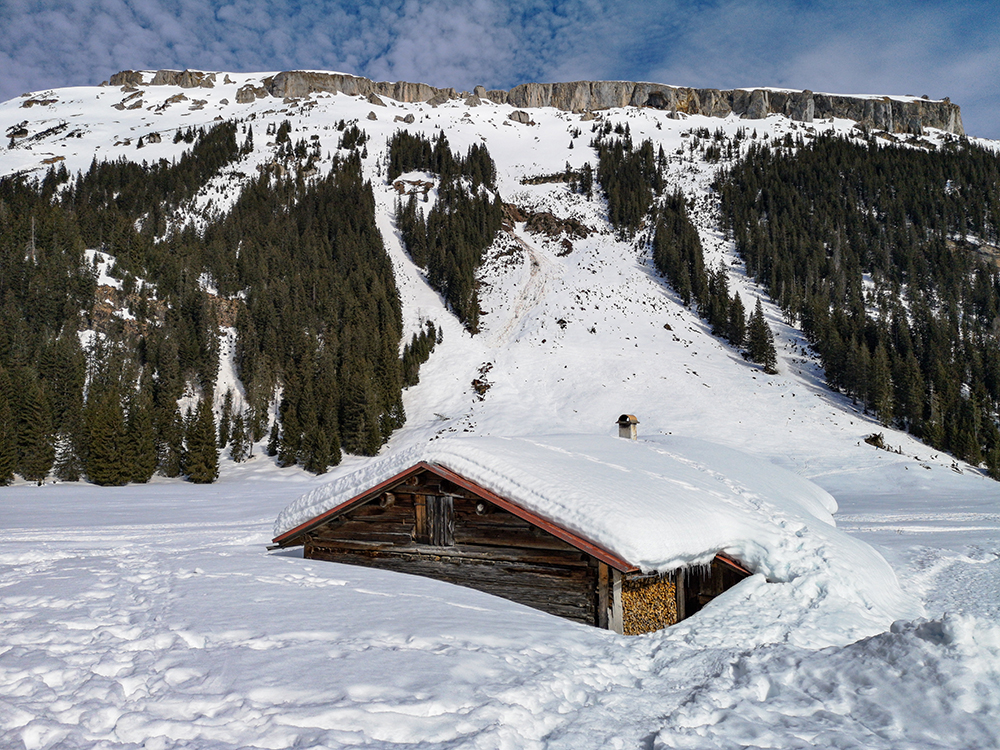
[(154, 616)]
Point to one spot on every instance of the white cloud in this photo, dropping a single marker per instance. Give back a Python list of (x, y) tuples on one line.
[(899, 47)]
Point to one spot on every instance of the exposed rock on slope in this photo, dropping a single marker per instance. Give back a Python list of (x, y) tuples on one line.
[(186, 79), (895, 115)]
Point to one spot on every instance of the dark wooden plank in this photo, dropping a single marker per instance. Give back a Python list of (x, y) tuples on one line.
[(437, 489), (374, 510), (402, 536), (441, 520), (501, 539), (369, 522), (420, 513), (474, 552), (543, 588)]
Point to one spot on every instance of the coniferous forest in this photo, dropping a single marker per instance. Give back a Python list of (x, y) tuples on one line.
[(886, 256), (450, 241), (636, 190), (298, 269)]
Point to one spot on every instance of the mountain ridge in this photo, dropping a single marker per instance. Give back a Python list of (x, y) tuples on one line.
[(908, 114)]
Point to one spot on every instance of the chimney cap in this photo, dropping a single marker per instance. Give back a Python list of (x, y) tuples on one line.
[(627, 419)]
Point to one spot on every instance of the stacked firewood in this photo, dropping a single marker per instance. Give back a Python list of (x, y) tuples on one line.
[(648, 603)]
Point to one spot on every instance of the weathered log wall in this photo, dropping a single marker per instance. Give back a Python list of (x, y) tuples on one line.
[(428, 526), (431, 528)]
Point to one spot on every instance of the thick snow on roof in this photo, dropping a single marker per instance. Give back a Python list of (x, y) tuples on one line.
[(658, 503)]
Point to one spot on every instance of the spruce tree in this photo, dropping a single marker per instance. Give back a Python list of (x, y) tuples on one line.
[(33, 420), (316, 450), (142, 440), (880, 386), (736, 332), (68, 465), (760, 341), (290, 444), (106, 440), (8, 446), (170, 442), (993, 463), (274, 440), (201, 456), (239, 449)]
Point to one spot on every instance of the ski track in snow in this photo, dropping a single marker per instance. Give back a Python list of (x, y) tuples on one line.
[(152, 617)]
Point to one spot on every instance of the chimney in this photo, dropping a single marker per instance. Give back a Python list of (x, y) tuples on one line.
[(627, 427)]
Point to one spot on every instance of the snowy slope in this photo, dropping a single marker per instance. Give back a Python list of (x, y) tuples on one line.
[(152, 616)]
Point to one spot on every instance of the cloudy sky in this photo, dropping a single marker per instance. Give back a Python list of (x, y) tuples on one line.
[(935, 48)]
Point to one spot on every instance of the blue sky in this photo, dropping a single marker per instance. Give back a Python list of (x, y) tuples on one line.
[(934, 48)]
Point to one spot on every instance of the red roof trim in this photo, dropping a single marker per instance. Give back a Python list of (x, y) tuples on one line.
[(289, 537), (732, 563)]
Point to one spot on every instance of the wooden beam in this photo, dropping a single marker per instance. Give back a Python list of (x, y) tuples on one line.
[(603, 595), (732, 563), (616, 620), (680, 586)]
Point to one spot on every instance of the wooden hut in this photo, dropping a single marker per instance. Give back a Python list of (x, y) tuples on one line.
[(487, 528)]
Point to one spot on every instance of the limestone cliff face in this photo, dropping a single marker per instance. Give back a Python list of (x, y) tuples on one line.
[(887, 114), (186, 79), (297, 83), (892, 115)]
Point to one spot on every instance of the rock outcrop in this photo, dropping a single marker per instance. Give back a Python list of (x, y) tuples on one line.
[(895, 115), (126, 78), (902, 115), (298, 83), (186, 79), (250, 93)]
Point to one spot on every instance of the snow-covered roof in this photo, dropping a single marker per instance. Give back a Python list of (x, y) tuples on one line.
[(659, 504)]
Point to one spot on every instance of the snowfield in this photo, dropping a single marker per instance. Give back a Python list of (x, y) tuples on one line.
[(154, 616)]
